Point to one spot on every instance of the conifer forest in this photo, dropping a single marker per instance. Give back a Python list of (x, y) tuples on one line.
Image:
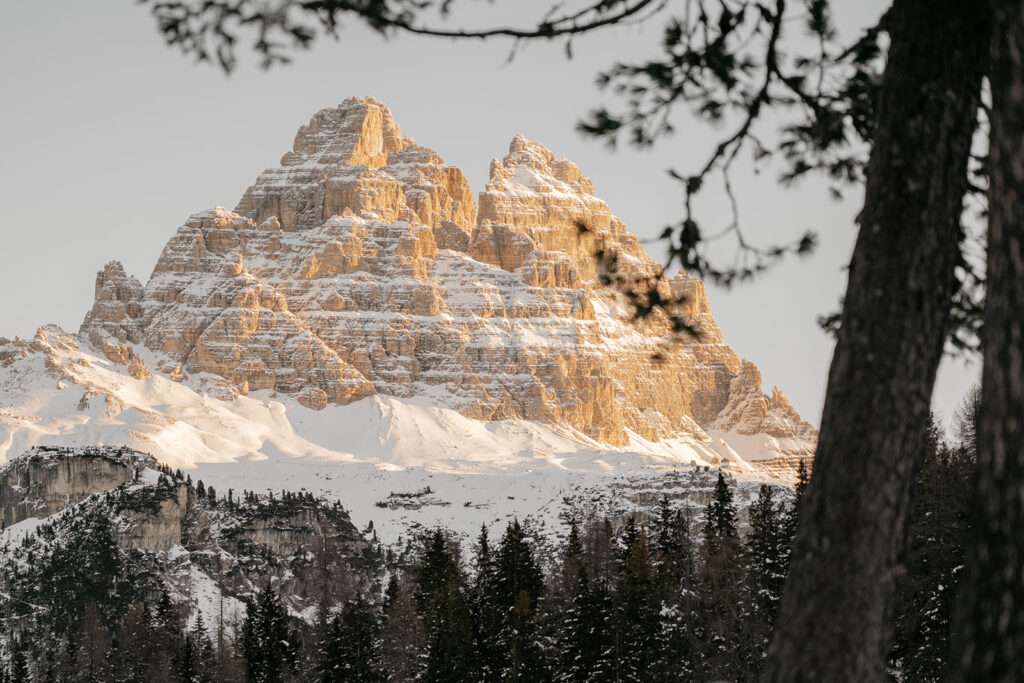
[(678, 595)]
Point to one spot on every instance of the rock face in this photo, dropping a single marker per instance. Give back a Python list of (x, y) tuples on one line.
[(355, 158), (361, 265), (115, 318), (177, 535), (46, 480)]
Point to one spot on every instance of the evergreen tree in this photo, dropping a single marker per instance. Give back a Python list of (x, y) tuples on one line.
[(441, 602), (90, 655), (487, 613), (350, 651), (600, 550), (584, 638), (676, 576), (519, 587), (636, 626), (19, 672), (268, 643), (722, 603), (937, 535), (137, 643), (205, 657), (572, 560), (720, 519), (765, 545), (185, 665), (402, 633), (84, 568), (570, 630)]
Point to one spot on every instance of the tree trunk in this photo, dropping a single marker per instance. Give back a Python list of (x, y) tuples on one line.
[(835, 618), (989, 639)]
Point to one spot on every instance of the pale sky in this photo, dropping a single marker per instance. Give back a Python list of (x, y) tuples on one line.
[(110, 140)]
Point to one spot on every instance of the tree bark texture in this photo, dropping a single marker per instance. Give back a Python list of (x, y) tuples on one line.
[(989, 638), (835, 617)]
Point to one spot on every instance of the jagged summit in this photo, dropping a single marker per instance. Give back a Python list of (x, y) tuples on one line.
[(354, 158), (361, 267)]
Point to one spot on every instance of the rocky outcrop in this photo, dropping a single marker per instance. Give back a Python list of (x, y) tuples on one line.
[(115, 318), (46, 480), (354, 157), (170, 531), (360, 265), (749, 411)]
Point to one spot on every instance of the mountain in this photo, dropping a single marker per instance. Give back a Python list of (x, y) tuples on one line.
[(358, 326)]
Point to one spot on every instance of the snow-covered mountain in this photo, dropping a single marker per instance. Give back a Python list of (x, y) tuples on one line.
[(360, 328)]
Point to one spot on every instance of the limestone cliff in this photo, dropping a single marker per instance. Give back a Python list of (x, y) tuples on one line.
[(174, 534), (46, 480), (362, 266)]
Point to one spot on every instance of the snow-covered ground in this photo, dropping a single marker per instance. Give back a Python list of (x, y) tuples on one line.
[(62, 393)]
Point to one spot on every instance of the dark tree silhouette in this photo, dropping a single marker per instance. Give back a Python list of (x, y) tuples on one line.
[(991, 623)]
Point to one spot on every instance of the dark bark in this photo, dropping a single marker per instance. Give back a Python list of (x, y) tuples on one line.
[(835, 619), (989, 643)]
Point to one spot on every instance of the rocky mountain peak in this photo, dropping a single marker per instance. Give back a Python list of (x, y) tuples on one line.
[(549, 173), (354, 158), (361, 266), (359, 132), (116, 315)]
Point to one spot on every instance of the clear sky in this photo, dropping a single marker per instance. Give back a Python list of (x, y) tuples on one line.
[(110, 140)]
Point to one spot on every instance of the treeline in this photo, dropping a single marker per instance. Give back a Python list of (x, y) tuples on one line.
[(674, 596)]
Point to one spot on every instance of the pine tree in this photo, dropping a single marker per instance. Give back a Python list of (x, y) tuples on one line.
[(185, 664), (402, 633), (636, 626), (664, 539), (765, 545), (206, 657), (168, 620), (792, 518), (441, 602), (91, 654), (583, 635), (136, 643), (487, 614), (720, 519), (722, 602), (350, 651), (937, 535), (268, 643), (85, 568), (19, 672), (568, 627), (519, 588), (572, 559), (676, 575), (600, 551)]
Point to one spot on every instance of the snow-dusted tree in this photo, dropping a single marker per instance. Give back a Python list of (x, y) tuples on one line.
[(519, 586), (722, 604), (937, 535), (487, 614), (441, 601), (402, 637), (268, 642), (675, 566), (765, 546), (637, 607), (350, 652)]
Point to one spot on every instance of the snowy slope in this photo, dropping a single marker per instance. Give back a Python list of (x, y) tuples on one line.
[(56, 390)]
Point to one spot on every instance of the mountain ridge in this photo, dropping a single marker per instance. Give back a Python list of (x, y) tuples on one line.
[(360, 223), (388, 332)]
